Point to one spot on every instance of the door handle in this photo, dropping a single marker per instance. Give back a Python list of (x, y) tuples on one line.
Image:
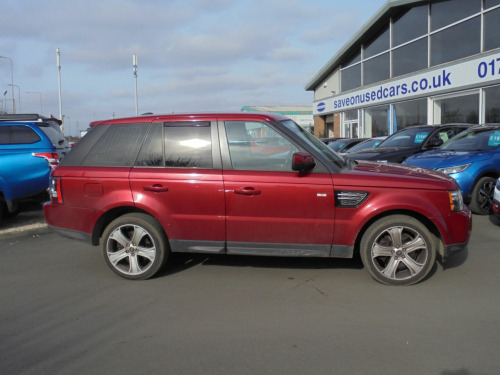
[(156, 188), (247, 191)]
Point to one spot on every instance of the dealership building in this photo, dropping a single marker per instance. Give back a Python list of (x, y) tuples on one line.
[(412, 63)]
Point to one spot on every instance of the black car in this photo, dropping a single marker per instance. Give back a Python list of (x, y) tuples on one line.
[(343, 145), (409, 141)]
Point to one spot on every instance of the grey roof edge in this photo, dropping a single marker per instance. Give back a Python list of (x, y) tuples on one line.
[(371, 23)]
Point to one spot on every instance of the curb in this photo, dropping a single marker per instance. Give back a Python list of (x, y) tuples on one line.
[(31, 230)]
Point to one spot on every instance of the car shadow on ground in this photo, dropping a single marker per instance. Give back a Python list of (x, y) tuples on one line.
[(181, 262)]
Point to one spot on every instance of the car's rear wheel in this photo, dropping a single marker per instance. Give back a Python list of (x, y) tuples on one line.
[(134, 246), (482, 196), (398, 250)]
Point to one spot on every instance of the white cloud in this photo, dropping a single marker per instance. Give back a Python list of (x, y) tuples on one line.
[(193, 54)]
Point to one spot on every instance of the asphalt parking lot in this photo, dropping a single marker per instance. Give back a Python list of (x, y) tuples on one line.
[(64, 312)]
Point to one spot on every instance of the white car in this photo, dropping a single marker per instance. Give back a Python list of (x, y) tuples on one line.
[(496, 200)]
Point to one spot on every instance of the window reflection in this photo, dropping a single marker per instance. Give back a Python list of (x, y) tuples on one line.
[(410, 58), (492, 104), (351, 77), (410, 25), (378, 44), (446, 12), (469, 35), (491, 30), (376, 69)]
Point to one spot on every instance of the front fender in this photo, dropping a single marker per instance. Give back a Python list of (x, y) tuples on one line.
[(349, 222)]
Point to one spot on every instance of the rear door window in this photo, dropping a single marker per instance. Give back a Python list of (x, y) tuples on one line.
[(178, 145)]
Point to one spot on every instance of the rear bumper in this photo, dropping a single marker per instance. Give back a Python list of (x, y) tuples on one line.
[(76, 235)]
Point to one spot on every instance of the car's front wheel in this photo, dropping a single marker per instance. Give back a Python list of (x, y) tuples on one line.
[(134, 246), (482, 196), (398, 250)]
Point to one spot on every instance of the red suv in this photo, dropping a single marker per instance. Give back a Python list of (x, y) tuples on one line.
[(143, 187)]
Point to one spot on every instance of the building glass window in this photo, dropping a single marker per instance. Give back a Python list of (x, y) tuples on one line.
[(409, 25), (491, 3), (491, 29), (457, 109), (409, 58), (378, 44), (376, 69), (351, 77), (351, 115), (469, 35), (446, 12), (376, 121), (353, 60), (409, 113), (492, 104)]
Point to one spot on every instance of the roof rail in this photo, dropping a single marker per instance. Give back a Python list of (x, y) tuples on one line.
[(27, 117)]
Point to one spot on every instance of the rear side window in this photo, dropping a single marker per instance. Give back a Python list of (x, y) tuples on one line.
[(18, 135), (182, 145), (54, 134), (117, 147)]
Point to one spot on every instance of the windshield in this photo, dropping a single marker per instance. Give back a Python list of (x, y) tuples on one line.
[(365, 144), (315, 143), (480, 139), (407, 138)]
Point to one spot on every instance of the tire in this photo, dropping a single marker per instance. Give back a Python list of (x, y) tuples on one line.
[(398, 250), (135, 246), (482, 196)]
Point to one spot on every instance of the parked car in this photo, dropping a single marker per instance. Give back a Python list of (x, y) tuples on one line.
[(496, 201), (143, 187), (367, 143), (327, 141), (30, 146), (409, 141), (343, 145), (472, 158)]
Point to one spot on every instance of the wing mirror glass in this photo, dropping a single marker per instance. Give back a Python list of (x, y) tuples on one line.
[(303, 162)]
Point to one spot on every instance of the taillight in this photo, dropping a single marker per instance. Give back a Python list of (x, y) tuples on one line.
[(52, 158), (55, 191)]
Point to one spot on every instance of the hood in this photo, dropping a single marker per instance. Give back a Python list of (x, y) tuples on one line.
[(391, 175), (443, 158), (388, 154)]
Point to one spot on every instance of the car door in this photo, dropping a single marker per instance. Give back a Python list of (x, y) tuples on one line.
[(270, 209), (178, 178)]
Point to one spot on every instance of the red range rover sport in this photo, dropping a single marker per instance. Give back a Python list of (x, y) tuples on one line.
[(248, 183)]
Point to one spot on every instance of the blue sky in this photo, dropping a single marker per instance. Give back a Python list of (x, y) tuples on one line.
[(193, 55)]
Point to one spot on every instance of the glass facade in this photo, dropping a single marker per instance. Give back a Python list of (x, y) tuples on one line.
[(407, 38), (414, 39), (492, 104), (457, 109), (377, 121), (469, 35), (409, 113)]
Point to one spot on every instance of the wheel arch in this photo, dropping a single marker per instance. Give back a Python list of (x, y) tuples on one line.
[(416, 215), (111, 215)]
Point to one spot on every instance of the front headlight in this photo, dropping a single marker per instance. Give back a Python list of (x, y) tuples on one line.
[(456, 200), (454, 169)]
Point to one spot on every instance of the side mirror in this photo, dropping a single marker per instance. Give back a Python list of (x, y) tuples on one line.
[(303, 162)]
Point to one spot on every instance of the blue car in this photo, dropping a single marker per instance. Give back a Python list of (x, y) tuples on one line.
[(472, 158), (30, 147)]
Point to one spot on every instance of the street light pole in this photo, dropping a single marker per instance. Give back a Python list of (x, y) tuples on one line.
[(58, 61), (134, 64), (12, 82), (18, 96), (41, 105)]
